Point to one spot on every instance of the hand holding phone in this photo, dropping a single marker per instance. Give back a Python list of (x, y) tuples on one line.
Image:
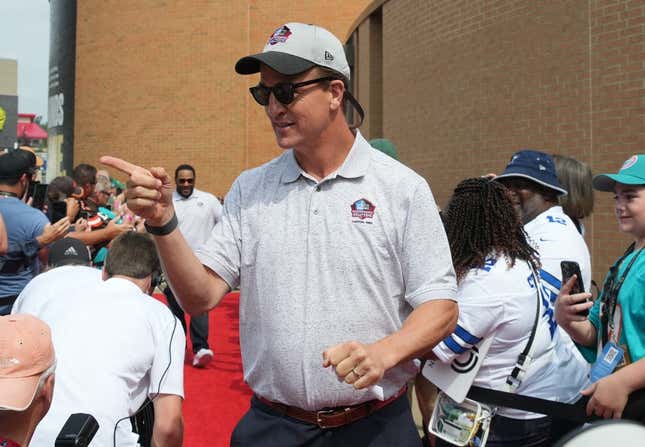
[(570, 268)]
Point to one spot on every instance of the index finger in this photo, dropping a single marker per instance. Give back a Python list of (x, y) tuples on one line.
[(120, 165)]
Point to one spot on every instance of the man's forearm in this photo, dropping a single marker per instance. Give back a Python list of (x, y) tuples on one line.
[(168, 427), (92, 237), (426, 326), (168, 437)]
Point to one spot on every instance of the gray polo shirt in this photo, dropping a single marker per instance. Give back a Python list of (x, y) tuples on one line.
[(320, 263)]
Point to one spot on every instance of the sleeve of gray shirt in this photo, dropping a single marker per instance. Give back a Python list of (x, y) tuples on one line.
[(222, 251), (426, 260)]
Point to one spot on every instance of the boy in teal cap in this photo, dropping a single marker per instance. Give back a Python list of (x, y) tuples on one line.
[(617, 318)]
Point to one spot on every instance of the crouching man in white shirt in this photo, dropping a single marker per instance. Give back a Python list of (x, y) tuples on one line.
[(115, 345)]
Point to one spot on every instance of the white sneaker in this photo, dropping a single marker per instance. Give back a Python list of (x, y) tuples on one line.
[(202, 358)]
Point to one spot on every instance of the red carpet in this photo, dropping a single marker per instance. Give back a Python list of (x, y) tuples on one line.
[(216, 397)]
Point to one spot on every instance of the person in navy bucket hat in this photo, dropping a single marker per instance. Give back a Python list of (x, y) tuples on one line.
[(531, 178), (536, 166)]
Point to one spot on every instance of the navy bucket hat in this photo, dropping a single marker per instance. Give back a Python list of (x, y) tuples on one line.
[(536, 166)]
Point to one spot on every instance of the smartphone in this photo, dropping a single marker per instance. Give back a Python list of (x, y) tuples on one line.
[(39, 195), (570, 268), (38, 192)]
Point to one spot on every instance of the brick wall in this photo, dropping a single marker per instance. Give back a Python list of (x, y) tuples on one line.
[(155, 81), (467, 83)]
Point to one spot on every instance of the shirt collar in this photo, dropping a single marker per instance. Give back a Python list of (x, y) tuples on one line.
[(354, 166), (177, 196), (122, 284)]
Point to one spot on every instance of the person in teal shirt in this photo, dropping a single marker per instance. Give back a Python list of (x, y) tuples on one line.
[(618, 315), (631, 303)]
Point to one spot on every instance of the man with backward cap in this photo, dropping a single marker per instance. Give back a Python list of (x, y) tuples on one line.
[(339, 252)]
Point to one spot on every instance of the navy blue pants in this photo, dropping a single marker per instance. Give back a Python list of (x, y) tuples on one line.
[(390, 426)]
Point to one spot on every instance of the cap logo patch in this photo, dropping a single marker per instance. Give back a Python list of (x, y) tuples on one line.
[(542, 167), (630, 162), (280, 35), (8, 362), (329, 56), (363, 209), (71, 251)]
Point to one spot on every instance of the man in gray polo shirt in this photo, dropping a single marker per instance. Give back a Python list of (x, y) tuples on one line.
[(339, 252)]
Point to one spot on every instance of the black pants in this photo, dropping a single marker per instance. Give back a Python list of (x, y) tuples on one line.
[(198, 323), (262, 426)]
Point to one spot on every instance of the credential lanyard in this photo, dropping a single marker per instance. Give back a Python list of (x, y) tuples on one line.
[(611, 290), (514, 379)]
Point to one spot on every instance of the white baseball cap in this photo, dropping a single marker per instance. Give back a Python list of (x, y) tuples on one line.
[(296, 47)]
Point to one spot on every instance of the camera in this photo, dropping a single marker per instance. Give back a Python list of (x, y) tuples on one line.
[(78, 431)]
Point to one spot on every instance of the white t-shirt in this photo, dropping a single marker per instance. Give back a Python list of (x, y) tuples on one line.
[(500, 302), (112, 347), (197, 215)]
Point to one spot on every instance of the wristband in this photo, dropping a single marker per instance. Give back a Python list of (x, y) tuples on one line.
[(163, 230)]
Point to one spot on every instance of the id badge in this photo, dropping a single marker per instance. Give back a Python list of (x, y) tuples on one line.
[(610, 357)]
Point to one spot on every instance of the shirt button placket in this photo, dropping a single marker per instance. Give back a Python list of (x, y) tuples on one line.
[(315, 205)]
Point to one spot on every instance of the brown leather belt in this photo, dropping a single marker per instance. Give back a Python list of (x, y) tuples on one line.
[(333, 417)]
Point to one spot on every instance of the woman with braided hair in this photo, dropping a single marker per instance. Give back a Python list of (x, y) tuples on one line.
[(499, 298)]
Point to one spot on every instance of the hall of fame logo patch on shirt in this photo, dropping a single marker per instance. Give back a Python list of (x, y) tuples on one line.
[(363, 210)]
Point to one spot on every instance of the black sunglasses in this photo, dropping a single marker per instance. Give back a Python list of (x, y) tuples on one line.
[(283, 92)]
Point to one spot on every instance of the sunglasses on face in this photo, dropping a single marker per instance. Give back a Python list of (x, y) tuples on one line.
[(283, 92)]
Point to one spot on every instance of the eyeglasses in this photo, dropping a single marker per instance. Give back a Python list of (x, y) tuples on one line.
[(283, 92), (188, 181)]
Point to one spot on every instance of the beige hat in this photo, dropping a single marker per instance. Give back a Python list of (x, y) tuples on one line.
[(26, 352)]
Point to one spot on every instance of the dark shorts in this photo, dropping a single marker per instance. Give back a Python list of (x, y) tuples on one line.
[(263, 426)]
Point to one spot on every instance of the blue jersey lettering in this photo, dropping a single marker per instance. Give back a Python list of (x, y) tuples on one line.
[(550, 288), (488, 264), (556, 219)]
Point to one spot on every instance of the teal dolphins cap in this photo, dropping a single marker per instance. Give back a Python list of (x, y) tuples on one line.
[(631, 173)]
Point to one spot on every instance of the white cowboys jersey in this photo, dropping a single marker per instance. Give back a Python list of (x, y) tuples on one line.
[(555, 237), (500, 302)]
